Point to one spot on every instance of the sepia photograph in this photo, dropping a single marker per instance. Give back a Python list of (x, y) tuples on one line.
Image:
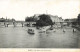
[(40, 24)]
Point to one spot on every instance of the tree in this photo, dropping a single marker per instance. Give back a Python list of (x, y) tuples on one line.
[(2, 19), (78, 19), (13, 19), (66, 20), (44, 20), (30, 19)]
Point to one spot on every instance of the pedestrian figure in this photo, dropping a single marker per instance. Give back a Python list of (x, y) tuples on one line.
[(63, 30), (74, 30)]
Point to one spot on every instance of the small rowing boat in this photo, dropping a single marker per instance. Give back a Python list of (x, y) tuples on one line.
[(31, 31)]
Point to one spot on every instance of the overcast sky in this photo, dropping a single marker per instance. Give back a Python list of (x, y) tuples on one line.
[(19, 9)]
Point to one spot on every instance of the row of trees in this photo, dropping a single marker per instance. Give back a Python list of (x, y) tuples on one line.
[(44, 20), (6, 20)]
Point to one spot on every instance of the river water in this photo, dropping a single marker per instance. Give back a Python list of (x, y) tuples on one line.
[(18, 37)]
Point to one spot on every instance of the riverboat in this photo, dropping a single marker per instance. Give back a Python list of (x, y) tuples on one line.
[(31, 31)]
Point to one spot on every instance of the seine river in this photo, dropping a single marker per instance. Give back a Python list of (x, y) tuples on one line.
[(18, 37)]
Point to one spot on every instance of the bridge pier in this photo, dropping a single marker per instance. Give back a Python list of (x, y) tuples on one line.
[(14, 24), (7, 25), (4, 24), (22, 24)]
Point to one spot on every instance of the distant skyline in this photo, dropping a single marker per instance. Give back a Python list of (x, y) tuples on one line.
[(19, 9)]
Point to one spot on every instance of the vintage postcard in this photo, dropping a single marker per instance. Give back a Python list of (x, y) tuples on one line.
[(40, 25)]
